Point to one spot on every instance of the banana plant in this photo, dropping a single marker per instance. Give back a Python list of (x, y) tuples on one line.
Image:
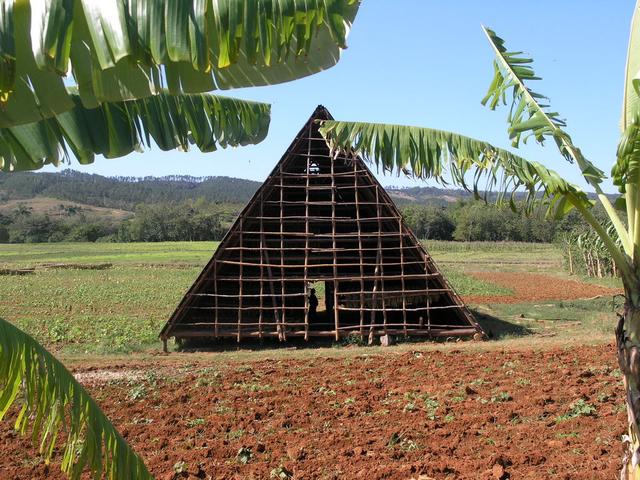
[(119, 50), (585, 252), (115, 129), (84, 59), (476, 165), (86, 77), (47, 390)]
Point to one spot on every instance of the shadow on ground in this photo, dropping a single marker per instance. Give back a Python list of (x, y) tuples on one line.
[(497, 328)]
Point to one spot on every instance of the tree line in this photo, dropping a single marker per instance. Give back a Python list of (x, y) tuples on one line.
[(204, 220), (189, 220), (124, 192)]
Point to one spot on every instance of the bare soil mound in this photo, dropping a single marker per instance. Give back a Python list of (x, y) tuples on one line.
[(440, 414), (533, 287)]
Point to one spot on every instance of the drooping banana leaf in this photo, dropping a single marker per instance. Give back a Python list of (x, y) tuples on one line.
[(530, 115), (59, 412), (445, 156), (631, 98), (117, 129), (127, 49)]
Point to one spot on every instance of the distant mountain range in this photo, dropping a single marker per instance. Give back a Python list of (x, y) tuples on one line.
[(124, 193)]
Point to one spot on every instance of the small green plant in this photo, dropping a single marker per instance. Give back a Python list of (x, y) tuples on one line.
[(479, 382), (137, 392), (151, 378), (142, 421), (449, 418), (579, 408), (399, 440), (410, 407), (281, 473), (235, 434), (523, 381), (326, 391), (431, 406), (244, 455), (180, 467), (252, 387), (222, 409), (501, 397), (207, 377), (394, 440), (195, 422), (408, 445)]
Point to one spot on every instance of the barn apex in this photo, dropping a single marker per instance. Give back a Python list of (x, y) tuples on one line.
[(320, 250)]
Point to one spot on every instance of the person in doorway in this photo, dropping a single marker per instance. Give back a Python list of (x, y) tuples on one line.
[(313, 305)]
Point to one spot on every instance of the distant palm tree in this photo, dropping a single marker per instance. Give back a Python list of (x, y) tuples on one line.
[(140, 67), (474, 164)]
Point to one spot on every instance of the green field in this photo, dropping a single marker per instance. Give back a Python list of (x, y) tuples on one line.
[(121, 309)]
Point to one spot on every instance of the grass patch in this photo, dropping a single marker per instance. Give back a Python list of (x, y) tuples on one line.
[(468, 285), (104, 311), (122, 309)]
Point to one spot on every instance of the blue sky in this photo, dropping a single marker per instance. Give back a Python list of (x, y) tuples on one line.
[(427, 63)]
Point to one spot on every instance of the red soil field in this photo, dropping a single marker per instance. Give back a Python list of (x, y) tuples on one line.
[(534, 287), (439, 414)]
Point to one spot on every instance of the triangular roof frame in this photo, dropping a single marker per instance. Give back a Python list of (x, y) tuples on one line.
[(464, 325)]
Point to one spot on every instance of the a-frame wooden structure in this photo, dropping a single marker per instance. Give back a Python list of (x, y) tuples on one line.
[(324, 222)]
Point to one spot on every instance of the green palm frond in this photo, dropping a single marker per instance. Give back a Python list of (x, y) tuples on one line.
[(60, 412), (117, 129), (128, 49), (427, 153), (627, 167), (529, 113), (631, 98)]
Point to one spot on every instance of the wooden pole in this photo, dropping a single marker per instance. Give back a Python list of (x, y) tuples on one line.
[(241, 280), (335, 260), (306, 241), (282, 332), (216, 330), (360, 250), (262, 250), (404, 298), (373, 300), (384, 309)]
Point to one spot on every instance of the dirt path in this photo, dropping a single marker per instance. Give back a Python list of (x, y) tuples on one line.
[(441, 414), (533, 287)]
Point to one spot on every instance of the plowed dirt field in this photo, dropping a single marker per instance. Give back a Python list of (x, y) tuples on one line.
[(470, 413), (534, 287)]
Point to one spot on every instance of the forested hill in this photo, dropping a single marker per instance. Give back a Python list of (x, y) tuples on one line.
[(74, 206), (123, 192), (126, 193)]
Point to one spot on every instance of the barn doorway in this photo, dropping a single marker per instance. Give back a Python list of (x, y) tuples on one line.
[(323, 318)]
